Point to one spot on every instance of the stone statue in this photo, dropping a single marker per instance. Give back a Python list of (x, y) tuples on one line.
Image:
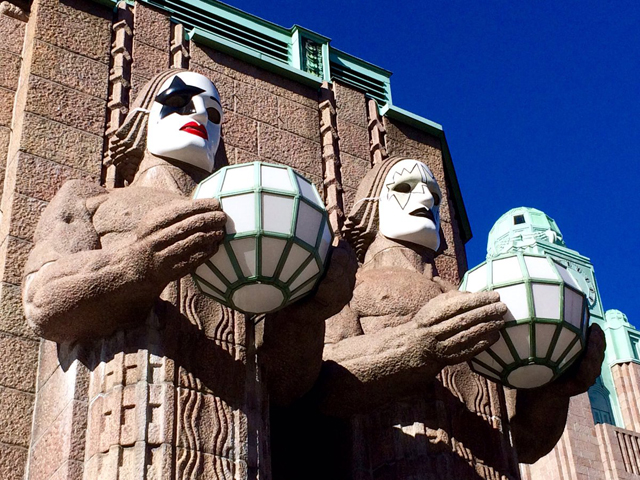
[(394, 360), (174, 383)]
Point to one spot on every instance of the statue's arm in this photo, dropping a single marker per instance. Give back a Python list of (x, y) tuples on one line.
[(364, 371), (535, 431), (74, 289), (290, 349)]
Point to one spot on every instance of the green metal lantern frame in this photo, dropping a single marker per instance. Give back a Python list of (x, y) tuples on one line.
[(568, 355), (259, 233)]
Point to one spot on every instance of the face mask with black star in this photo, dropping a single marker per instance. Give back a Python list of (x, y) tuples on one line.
[(185, 119)]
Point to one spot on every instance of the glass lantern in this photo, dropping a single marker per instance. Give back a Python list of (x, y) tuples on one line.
[(545, 326), (277, 237)]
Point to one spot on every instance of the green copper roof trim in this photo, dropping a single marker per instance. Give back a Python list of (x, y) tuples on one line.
[(362, 75), (435, 129), (251, 56)]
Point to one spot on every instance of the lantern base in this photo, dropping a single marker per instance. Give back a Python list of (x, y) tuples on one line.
[(530, 376), (257, 298)]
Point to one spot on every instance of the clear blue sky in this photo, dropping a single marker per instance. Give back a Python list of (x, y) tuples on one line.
[(540, 102)]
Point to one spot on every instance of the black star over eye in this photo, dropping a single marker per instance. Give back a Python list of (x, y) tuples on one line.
[(178, 94)]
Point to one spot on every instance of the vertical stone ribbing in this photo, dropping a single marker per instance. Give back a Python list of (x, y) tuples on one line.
[(151, 45), (17, 353), (332, 182), (626, 377), (179, 47), (64, 70), (119, 82), (377, 134)]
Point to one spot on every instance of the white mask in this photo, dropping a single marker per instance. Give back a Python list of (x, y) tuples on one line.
[(409, 205), (184, 120)]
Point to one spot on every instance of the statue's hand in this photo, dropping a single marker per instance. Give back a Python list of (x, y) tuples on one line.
[(173, 239), (584, 372), (456, 326)]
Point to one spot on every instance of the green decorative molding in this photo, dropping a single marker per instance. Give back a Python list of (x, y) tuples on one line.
[(623, 340), (362, 75)]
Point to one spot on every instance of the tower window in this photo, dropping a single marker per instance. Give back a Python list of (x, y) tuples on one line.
[(518, 219)]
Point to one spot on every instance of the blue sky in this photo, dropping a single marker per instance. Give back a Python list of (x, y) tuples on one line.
[(540, 102)]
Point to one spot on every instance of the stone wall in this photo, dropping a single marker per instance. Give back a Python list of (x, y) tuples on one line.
[(70, 70)]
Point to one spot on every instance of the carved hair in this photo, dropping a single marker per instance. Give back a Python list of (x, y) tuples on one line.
[(363, 221), (129, 142)]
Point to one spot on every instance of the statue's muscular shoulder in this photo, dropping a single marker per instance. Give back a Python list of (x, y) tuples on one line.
[(119, 211), (390, 296)]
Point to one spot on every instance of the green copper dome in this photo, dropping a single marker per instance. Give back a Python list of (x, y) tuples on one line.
[(522, 227)]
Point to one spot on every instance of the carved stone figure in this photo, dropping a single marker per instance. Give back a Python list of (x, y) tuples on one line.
[(174, 390), (394, 359)]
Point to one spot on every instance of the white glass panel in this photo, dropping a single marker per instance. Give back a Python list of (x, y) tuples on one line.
[(539, 267), (308, 191), (506, 270), (544, 335), (489, 361), (236, 179), (567, 277), (308, 272), (297, 256), (206, 273), (565, 338), (222, 263), (209, 291), (241, 213), (276, 178), (272, 249), (572, 353), (302, 291), (209, 187), (480, 369), (501, 349), (477, 280), (257, 298), (515, 297), (308, 224), (530, 376), (325, 242), (572, 307), (546, 300), (277, 213), (521, 340), (245, 251)]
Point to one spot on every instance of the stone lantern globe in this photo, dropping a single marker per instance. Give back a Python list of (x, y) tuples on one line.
[(277, 237), (548, 314)]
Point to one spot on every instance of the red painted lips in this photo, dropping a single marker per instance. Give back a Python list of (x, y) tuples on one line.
[(195, 128)]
